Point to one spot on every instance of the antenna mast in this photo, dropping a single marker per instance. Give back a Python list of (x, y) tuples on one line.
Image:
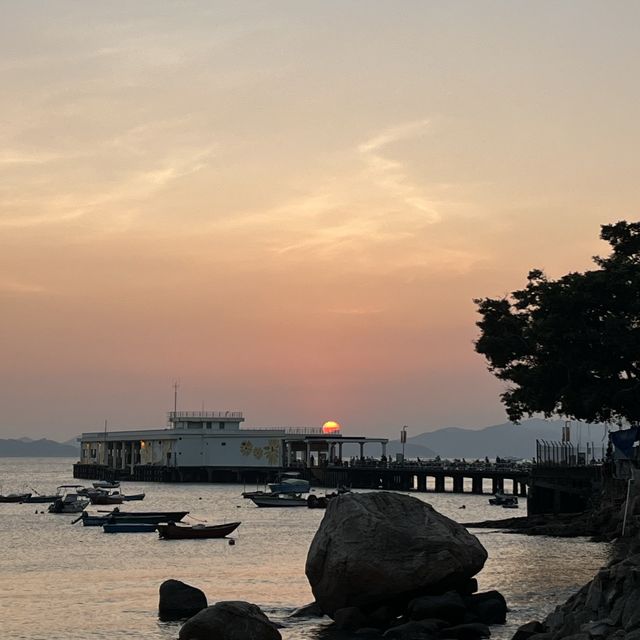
[(175, 398)]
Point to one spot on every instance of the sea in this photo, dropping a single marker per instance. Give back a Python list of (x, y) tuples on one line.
[(64, 581)]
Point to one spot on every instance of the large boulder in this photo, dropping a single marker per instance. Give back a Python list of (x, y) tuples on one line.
[(385, 548), (230, 620), (180, 600)]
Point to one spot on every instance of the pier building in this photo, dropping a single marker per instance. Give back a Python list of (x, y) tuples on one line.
[(198, 444)]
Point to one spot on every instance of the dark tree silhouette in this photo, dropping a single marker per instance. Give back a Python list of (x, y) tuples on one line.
[(571, 346)]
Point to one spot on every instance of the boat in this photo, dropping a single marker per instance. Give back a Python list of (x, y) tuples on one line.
[(151, 516), (290, 483), (173, 531), (68, 500), (133, 496), (39, 498), (128, 527), (102, 497), (320, 502), (279, 500), (15, 497), (129, 517), (504, 500), (106, 484)]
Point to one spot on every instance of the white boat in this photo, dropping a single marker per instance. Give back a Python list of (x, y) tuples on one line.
[(279, 500), (68, 500), (290, 485)]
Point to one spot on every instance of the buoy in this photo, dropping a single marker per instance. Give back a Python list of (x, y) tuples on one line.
[(199, 498), (231, 542)]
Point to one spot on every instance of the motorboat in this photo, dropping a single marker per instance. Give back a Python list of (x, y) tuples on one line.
[(68, 501), (102, 497), (106, 484), (173, 531), (128, 527), (506, 500), (279, 500), (290, 484)]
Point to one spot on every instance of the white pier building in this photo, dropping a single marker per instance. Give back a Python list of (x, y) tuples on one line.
[(214, 439)]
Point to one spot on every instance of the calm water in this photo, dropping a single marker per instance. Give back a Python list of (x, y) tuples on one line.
[(69, 582)]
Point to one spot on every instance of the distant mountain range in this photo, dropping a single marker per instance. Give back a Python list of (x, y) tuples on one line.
[(503, 440), (43, 448)]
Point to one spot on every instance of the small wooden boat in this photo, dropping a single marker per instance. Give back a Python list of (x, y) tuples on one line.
[(133, 496), (279, 500), (148, 517), (15, 497), (173, 531), (128, 527), (40, 499)]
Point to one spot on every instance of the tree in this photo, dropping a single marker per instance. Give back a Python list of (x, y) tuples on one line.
[(571, 346)]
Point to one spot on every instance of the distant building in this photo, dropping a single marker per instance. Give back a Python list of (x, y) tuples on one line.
[(215, 439)]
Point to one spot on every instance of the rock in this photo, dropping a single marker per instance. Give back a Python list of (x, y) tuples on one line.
[(527, 630), (489, 607), (180, 600), (472, 631), (383, 548), (368, 632), (467, 588), (350, 619), (410, 631), (311, 610), (229, 620), (449, 607)]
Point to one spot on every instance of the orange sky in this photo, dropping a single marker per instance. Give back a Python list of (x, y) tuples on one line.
[(289, 206)]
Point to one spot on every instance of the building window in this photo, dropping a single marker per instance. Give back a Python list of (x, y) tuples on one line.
[(222, 425)]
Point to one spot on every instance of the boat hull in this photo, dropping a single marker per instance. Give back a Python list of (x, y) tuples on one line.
[(15, 498), (277, 501), (128, 527), (172, 531)]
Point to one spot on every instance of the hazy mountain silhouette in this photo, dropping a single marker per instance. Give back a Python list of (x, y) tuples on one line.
[(502, 440), (24, 447)]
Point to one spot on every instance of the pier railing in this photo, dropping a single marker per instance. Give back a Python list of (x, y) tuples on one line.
[(177, 415), (568, 454)]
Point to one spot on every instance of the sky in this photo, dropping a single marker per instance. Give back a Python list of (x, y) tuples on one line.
[(289, 207)]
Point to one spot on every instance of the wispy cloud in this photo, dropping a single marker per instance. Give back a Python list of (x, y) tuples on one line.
[(390, 174)]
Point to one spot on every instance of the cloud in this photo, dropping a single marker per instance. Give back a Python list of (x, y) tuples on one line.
[(391, 175)]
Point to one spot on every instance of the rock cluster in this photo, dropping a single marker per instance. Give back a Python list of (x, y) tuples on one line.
[(608, 607), (389, 564), (230, 620), (179, 600)]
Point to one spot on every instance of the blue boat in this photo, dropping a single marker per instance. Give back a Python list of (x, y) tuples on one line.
[(127, 527)]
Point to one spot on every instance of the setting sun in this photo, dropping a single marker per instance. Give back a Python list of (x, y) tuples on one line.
[(330, 427)]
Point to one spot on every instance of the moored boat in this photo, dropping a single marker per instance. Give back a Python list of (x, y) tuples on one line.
[(279, 500), (39, 499), (106, 484), (14, 497), (173, 531), (128, 527), (68, 500), (101, 497), (506, 500), (133, 496)]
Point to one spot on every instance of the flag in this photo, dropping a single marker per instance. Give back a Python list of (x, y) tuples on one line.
[(625, 443)]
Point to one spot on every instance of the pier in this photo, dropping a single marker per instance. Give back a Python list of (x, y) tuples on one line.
[(369, 474)]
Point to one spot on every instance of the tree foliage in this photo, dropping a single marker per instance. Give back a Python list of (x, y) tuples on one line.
[(571, 346)]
